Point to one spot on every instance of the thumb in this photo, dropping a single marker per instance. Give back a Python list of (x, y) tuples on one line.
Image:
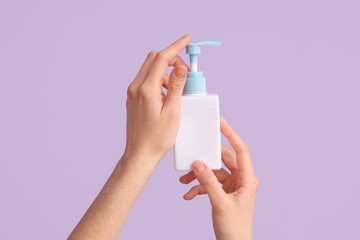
[(208, 180), (177, 80)]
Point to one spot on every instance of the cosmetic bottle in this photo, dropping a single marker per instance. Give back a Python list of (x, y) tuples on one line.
[(199, 132)]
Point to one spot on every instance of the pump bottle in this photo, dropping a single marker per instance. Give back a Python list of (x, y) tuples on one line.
[(199, 132)]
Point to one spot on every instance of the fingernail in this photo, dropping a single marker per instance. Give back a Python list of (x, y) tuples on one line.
[(180, 72), (184, 35), (198, 166)]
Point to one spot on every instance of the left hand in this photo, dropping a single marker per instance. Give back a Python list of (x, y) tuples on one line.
[(233, 203), (153, 117)]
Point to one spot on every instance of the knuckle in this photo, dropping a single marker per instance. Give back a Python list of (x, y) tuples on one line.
[(151, 54), (143, 92), (245, 147), (252, 185), (227, 151), (176, 86), (131, 91), (160, 56)]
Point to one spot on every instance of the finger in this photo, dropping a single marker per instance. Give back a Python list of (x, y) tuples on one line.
[(220, 174), (188, 178), (229, 158), (194, 191), (165, 58), (175, 89), (166, 81), (176, 61), (243, 159), (144, 70), (208, 180)]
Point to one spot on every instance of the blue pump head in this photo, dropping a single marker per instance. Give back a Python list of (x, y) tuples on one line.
[(195, 81)]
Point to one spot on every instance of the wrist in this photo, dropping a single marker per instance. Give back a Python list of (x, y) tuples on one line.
[(144, 160)]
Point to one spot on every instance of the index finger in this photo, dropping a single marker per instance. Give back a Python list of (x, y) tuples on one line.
[(165, 58), (243, 159)]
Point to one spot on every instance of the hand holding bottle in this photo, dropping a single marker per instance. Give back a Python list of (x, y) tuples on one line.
[(233, 203), (152, 125), (153, 117)]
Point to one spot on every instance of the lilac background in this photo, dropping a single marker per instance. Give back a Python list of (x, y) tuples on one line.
[(288, 79)]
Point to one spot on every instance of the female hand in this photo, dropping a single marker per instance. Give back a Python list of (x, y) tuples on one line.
[(233, 203), (153, 117), (152, 125)]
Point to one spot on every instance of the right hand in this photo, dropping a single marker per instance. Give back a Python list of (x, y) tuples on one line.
[(233, 203), (152, 117)]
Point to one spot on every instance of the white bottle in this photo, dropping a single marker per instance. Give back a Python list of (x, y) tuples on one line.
[(199, 132)]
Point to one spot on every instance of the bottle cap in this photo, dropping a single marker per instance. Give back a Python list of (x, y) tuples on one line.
[(195, 81)]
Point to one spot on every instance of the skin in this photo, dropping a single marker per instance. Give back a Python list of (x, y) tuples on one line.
[(152, 125), (233, 203)]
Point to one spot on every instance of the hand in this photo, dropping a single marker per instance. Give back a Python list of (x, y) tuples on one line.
[(152, 125), (153, 117), (233, 203)]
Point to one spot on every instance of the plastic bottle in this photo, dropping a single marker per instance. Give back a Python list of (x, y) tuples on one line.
[(199, 132)]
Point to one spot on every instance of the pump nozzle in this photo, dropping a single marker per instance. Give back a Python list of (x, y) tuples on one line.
[(195, 81), (193, 49)]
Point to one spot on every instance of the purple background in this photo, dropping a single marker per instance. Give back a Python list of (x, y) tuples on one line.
[(288, 79)]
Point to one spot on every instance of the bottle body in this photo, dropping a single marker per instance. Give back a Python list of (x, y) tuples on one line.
[(199, 132)]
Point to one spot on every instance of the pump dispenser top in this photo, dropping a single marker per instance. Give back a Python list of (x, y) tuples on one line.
[(195, 81)]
